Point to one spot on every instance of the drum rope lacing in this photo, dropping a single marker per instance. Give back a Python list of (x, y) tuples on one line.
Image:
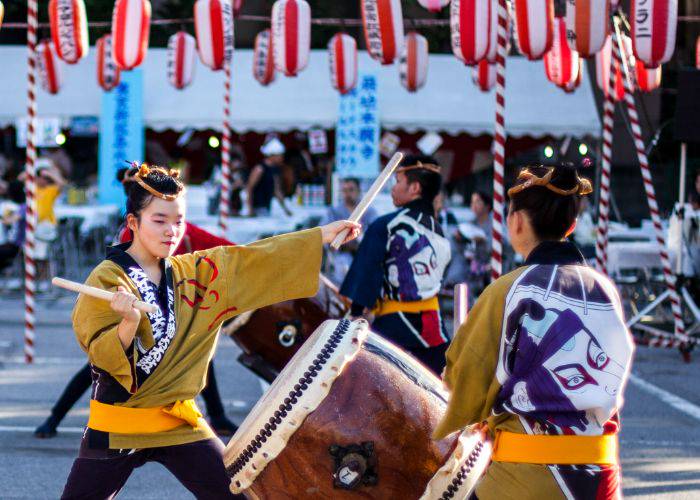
[(463, 473), (292, 398)]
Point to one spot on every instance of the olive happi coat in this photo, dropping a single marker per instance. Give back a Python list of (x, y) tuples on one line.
[(169, 357)]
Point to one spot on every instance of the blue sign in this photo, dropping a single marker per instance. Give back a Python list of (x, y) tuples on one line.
[(121, 134), (357, 130)]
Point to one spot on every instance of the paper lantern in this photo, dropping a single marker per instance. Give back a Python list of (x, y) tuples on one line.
[(2, 13), (653, 26), (470, 27), (180, 59), (534, 21), (342, 59), (602, 63), (493, 32), (108, 73), (648, 79), (561, 63), (697, 53), (237, 6), (213, 24), (131, 20), (383, 27), (588, 24), (263, 59), (484, 75), (413, 68), (48, 65), (291, 35), (573, 85), (433, 5), (69, 30)]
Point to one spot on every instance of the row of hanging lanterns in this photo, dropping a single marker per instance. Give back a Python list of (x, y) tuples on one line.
[(108, 73), (561, 41)]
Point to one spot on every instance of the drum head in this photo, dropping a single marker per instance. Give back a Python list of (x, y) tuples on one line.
[(297, 391)]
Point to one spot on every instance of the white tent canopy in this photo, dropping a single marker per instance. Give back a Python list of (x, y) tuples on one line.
[(448, 103)]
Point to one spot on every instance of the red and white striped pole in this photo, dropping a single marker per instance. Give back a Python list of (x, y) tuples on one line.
[(499, 143), (621, 58), (601, 249), (224, 201), (29, 186)]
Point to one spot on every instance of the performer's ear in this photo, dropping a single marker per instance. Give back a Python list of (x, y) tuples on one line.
[(132, 222)]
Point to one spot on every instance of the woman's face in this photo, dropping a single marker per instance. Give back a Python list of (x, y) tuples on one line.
[(478, 206), (160, 227)]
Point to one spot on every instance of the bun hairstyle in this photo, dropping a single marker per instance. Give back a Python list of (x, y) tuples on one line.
[(143, 183), (425, 171), (551, 196)]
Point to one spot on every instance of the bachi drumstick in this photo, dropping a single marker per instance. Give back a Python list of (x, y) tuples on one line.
[(369, 197), (461, 304), (98, 293)]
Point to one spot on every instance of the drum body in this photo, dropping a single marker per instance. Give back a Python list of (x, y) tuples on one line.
[(270, 336), (351, 416)]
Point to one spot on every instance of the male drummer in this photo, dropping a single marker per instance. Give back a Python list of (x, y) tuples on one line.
[(399, 266)]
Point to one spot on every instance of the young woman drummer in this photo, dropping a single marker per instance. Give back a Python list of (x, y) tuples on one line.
[(544, 356), (149, 368)]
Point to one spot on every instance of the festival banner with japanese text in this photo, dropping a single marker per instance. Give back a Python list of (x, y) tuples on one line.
[(121, 134), (357, 130)]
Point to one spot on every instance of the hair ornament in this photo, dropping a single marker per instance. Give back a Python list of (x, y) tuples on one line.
[(420, 166), (144, 171), (582, 187)]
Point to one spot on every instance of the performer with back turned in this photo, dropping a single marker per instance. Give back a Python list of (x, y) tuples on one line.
[(150, 368), (398, 270), (544, 356)]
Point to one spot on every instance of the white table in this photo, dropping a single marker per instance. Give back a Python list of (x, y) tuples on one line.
[(92, 215)]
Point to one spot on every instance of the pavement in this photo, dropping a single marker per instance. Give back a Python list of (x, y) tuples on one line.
[(660, 438)]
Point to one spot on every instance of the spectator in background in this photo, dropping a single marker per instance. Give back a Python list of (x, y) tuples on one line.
[(341, 260), (264, 182), (14, 220)]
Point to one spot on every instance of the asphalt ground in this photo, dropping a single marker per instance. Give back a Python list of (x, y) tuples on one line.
[(660, 438)]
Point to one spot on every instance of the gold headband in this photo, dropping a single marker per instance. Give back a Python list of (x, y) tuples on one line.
[(582, 187), (143, 172), (420, 166)]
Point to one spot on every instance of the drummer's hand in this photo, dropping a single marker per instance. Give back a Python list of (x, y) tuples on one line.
[(330, 231), (122, 303)]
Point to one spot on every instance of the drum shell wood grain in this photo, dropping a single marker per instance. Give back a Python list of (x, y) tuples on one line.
[(372, 400)]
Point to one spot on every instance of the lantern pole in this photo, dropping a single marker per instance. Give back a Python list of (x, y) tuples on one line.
[(601, 248), (621, 57), (29, 185), (499, 145), (225, 152)]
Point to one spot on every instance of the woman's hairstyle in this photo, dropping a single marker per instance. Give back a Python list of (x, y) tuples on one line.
[(425, 171), (485, 198), (551, 197), (143, 183)]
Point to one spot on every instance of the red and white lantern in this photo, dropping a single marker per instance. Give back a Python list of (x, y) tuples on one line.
[(484, 75), (263, 58), (2, 13), (237, 6), (534, 27), (131, 22), (471, 23), (697, 53), (108, 72), (602, 68), (48, 65), (653, 24), (213, 24), (291, 35), (342, 58), (413, 69), (433, 5), (180, 57), (493, 32), (561, 63), (588, 24), (648, 79), (383, 26), (573, 85), (69, 29)]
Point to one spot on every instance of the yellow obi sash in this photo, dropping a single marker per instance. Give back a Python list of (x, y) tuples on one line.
[(123, 420), (393, 306), (560, 450)]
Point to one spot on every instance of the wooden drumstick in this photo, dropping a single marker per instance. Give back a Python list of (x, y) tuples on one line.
[(369, 197), (461, 305), (98, 293)]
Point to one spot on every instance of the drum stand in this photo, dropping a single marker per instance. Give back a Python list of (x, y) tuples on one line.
[(670, 339)]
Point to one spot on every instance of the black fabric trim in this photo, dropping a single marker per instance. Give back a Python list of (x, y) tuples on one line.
[(555, 253)]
